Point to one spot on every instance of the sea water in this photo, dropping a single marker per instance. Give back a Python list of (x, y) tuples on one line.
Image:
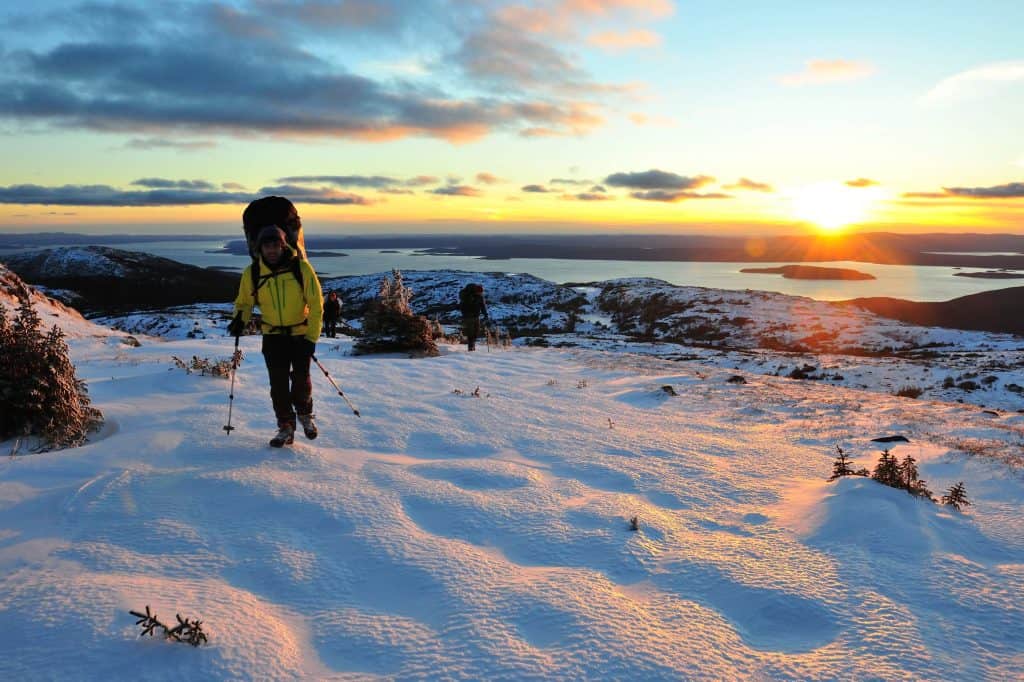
[(911, 282)]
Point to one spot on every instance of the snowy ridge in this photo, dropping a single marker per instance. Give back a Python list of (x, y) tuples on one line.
[(51, 311), (444, 535), (756, 331)]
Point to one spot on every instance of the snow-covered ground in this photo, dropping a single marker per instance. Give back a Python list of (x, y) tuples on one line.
[(756, 331), (447, 535)]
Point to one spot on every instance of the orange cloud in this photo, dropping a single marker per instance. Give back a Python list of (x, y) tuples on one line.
[(562, 16), (619, 41), (821, 71), (488, 178), (642, 119)]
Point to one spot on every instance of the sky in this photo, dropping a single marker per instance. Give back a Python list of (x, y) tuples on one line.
[(488, 116)]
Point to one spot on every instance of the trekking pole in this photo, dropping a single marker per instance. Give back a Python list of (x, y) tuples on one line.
[(328, 375), (231, 396)]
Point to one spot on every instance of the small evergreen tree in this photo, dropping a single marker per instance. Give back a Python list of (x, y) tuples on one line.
[(909, 480), (8, 387), (956, 497), (67, 416), (887, 470), (908, 472), (39, 392), (841, 467), (389, 324)]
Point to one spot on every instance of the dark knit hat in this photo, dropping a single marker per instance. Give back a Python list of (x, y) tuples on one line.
[(270, 233)]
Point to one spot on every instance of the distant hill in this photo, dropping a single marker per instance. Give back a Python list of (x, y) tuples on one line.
[(992, 311), (110, 279)]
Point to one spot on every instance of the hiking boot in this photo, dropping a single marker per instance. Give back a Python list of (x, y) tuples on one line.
[(285, 436), (308, 425)]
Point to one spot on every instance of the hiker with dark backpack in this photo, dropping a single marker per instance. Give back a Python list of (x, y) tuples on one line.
[(282, 283), (332, 313), (472, 307)]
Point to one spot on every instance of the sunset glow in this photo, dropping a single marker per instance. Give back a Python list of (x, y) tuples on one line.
[(535, 115), (832, 206)]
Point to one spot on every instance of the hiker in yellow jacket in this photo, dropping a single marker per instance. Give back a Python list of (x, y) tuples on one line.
[(290, 300)]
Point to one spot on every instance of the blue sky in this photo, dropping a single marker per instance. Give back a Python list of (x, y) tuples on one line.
[(378, 115)]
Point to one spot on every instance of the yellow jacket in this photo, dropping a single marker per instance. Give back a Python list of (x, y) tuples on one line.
[(285, 307)]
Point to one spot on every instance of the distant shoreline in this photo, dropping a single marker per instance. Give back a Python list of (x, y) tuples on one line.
[(883, 248)]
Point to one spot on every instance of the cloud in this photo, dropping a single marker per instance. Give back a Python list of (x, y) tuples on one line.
[(568, 181), (159, 143), (213, 70), (395, 190), (105, 195), (563, 16), (1012, 190), (642, 119), (747, 184), (373, 181), (232, 185), (822, 71), (421, 180), (861, 182), (536, 189), (161, 183), (656, 179), (488, 178), (163, 193), (619, 41), (674, 196), (587, 196), (925, 195), (458, 191), (498, 55), (974, 82), (315, 195)]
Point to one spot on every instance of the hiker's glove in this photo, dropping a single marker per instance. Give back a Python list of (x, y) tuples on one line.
[(236, 326), (308, 347)]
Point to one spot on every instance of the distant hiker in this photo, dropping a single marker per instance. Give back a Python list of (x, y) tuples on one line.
[(472, 307), (287, 291), (332, 313)]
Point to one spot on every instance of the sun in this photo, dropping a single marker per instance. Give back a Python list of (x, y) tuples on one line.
[(832, 205)]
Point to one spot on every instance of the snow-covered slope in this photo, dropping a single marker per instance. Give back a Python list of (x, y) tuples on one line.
[(447, 535), (51, 311)]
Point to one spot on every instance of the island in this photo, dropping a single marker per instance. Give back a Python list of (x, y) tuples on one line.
[(990, 275), (811, 272)]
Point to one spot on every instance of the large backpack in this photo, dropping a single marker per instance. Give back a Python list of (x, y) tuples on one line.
[(469, 300), (273, 211), (279, 211)]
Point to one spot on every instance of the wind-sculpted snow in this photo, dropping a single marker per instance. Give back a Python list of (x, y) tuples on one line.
[(447, 535)]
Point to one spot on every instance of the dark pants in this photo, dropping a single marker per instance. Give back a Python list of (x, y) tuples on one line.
[(471, 328), (287, 359), (331, 326)]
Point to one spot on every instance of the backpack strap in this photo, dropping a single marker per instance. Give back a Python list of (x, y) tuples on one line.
[(259, 280)]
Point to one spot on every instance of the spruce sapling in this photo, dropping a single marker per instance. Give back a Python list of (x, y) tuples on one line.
[(887, 470), (841, 467), (956, 497)]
